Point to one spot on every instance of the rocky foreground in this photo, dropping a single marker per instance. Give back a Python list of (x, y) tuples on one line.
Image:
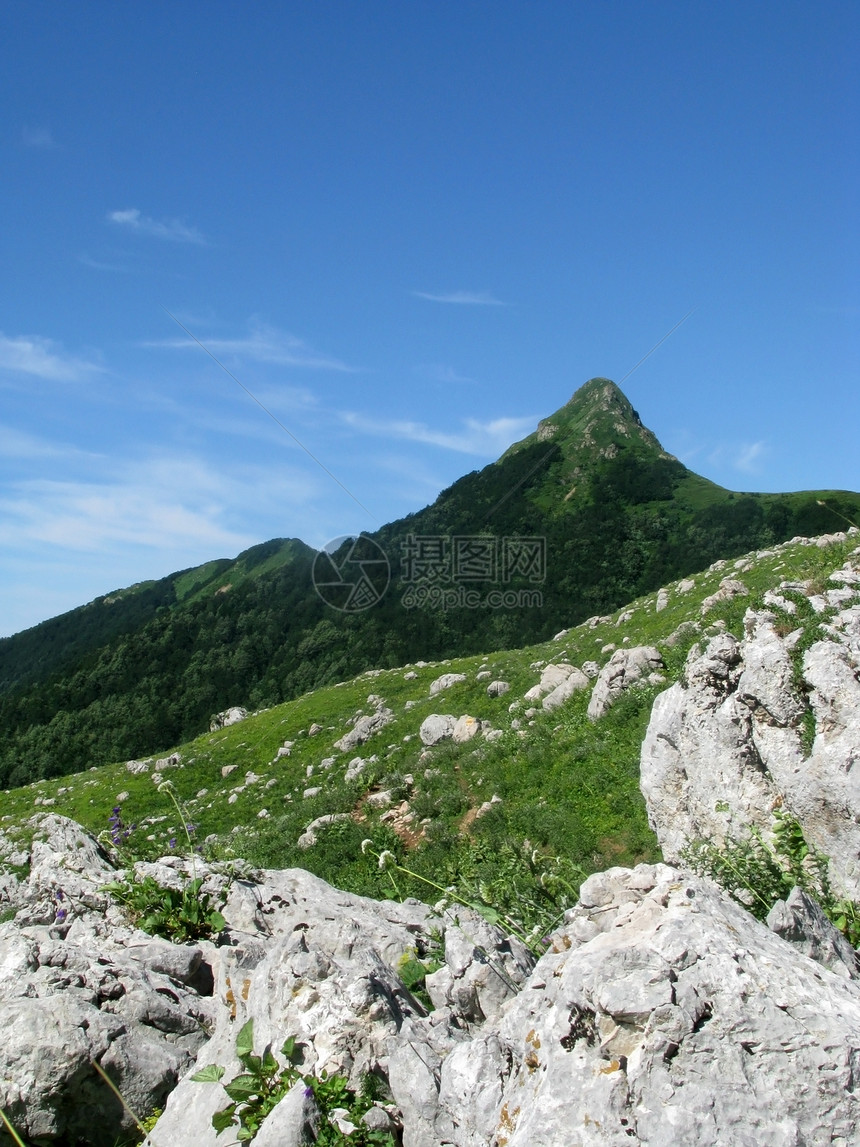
[(661, 1013)]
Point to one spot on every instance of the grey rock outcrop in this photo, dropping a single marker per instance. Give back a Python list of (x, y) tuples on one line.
[(79, 985), (625, 667), (465, 728), (800, 921), (665, 1014), (661, 1013), (364, 728), (445, 682), (724, 746)]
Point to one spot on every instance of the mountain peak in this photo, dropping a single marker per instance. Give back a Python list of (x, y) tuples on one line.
[(597, 418)]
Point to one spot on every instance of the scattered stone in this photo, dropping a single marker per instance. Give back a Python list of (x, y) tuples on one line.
[(314, 729), (445, 682), (729, 588), (437, 727), (354, 769), (309, 836), (465, 728), (497, 688), (364, 728), (575, 681), (379, 800), (624, 668), (229, 717)]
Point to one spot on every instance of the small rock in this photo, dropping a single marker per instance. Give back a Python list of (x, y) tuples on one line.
[(445, 682)]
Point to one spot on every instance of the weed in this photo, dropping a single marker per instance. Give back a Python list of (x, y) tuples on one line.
[(264, 1082), (179, 914), (758, 874)]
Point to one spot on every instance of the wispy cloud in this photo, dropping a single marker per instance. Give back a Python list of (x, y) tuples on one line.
[(98, 265), (749, 456), (22, 446), (446, 374), (485, 439), (263, 344), (462, 298), (172, 229), (39, 138), (163, 504), (41, 357)]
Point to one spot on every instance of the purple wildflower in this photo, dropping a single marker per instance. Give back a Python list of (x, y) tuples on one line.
[(61, 915)]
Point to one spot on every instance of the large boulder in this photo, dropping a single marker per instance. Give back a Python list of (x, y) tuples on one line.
[(230, 716), (663, 1013), (437, 727), (572, 684)]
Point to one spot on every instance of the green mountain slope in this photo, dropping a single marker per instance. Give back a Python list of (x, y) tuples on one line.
[(611, 514), (515, 819)]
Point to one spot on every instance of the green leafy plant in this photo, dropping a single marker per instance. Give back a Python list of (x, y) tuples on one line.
[(181, 914), (263, 1083), (413, 971), (758, 874)]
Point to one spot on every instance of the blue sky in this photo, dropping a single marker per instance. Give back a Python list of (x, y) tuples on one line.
[(410, 230)]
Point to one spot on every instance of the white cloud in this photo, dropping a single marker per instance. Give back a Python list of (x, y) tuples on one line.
[(172, 229), (486, 439), (263, 344), (748, 457), (41, 357), (97, 265), (463, 298), (39, 138), (164, 504)]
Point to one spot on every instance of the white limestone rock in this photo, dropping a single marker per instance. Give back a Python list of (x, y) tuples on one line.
[(445, 682), (437, 727), (230, 716), (573, 683), (624, 668)]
